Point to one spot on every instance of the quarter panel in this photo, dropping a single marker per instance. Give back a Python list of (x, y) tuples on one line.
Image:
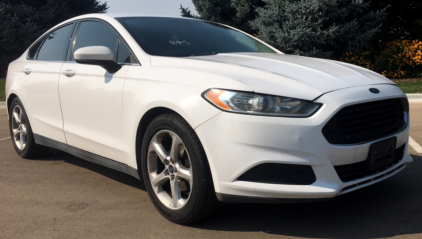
[(13, 79)]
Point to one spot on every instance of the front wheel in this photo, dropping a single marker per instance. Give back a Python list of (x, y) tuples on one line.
[(176, 172)]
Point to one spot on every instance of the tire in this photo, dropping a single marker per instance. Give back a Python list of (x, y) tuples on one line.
[(23, 138), (185, 169)]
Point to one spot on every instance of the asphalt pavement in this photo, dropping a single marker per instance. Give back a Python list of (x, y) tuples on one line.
[(61, 196)]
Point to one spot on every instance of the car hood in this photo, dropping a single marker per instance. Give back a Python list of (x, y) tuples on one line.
[(278, 74)]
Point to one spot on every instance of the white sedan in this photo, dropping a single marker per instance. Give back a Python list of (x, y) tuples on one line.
[(204, 113)]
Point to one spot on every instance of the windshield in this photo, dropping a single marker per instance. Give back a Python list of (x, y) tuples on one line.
[(180, 37)]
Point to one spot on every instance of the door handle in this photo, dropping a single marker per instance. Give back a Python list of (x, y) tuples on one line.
[(27, 71), (69, 72)]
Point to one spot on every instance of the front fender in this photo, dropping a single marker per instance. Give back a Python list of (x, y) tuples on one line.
[(141, 94)]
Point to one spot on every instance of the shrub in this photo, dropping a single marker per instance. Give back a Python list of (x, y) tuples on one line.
[(360, 58), (398, 59), (401, 58)]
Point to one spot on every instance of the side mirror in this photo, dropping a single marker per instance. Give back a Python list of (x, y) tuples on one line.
[(97, 55)]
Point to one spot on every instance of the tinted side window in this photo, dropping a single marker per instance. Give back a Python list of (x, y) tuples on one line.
[(92, 33), (34, 49), (55, 44)]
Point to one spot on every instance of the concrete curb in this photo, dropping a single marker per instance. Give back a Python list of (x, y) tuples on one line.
[(414, 97), (411, 97)]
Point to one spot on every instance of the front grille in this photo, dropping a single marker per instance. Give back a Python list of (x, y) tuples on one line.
[(366, 122), (354, 171)]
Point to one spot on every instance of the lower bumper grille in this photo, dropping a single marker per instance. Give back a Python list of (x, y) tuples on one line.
[(275, 173), (354, 171)]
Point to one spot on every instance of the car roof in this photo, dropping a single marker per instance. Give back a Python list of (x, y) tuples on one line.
[(111, 17), (119, 15)]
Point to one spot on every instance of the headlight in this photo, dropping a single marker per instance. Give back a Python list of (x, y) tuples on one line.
[(259, 104)]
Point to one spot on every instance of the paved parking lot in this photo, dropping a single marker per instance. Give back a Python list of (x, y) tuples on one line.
[(60, 196)]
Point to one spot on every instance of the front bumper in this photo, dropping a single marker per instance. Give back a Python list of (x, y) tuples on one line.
[(235, 143)]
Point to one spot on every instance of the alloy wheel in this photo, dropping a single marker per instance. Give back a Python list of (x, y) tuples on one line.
[(19, 127), (170, 170)]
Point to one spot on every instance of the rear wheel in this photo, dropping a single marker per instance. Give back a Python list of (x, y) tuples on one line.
[(176, 172), (21, 132)]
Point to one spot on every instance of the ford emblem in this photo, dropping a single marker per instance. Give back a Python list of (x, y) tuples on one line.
[(374, 90)]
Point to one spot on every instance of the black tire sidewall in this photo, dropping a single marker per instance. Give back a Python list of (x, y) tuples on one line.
[(176, 125)]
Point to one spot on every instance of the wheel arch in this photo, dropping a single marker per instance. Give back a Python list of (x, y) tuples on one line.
[(143, 125), (10, 99)]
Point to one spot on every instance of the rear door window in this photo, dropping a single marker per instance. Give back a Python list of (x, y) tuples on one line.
[(32, 53), (53, 48)]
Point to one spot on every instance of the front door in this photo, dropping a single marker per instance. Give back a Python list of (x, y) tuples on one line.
[(91, 97)]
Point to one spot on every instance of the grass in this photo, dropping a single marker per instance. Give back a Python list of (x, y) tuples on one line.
[(2, 90), (410, 87)]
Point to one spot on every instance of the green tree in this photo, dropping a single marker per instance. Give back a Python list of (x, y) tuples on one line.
[(317, 28), (320, 28), (236, 13), (403, 22), (23, 21)]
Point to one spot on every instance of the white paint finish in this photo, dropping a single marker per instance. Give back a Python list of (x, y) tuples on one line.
[(415, 145), (102, 111), (150, 87), (92, 108), (40, 95), (13, 83), (94, 53), (278, 74), (254, 140)]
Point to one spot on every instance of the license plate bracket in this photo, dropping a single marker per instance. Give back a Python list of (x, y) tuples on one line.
[(381, 154)]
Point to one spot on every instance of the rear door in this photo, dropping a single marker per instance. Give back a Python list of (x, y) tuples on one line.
[(40, 83), (91, 97)]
